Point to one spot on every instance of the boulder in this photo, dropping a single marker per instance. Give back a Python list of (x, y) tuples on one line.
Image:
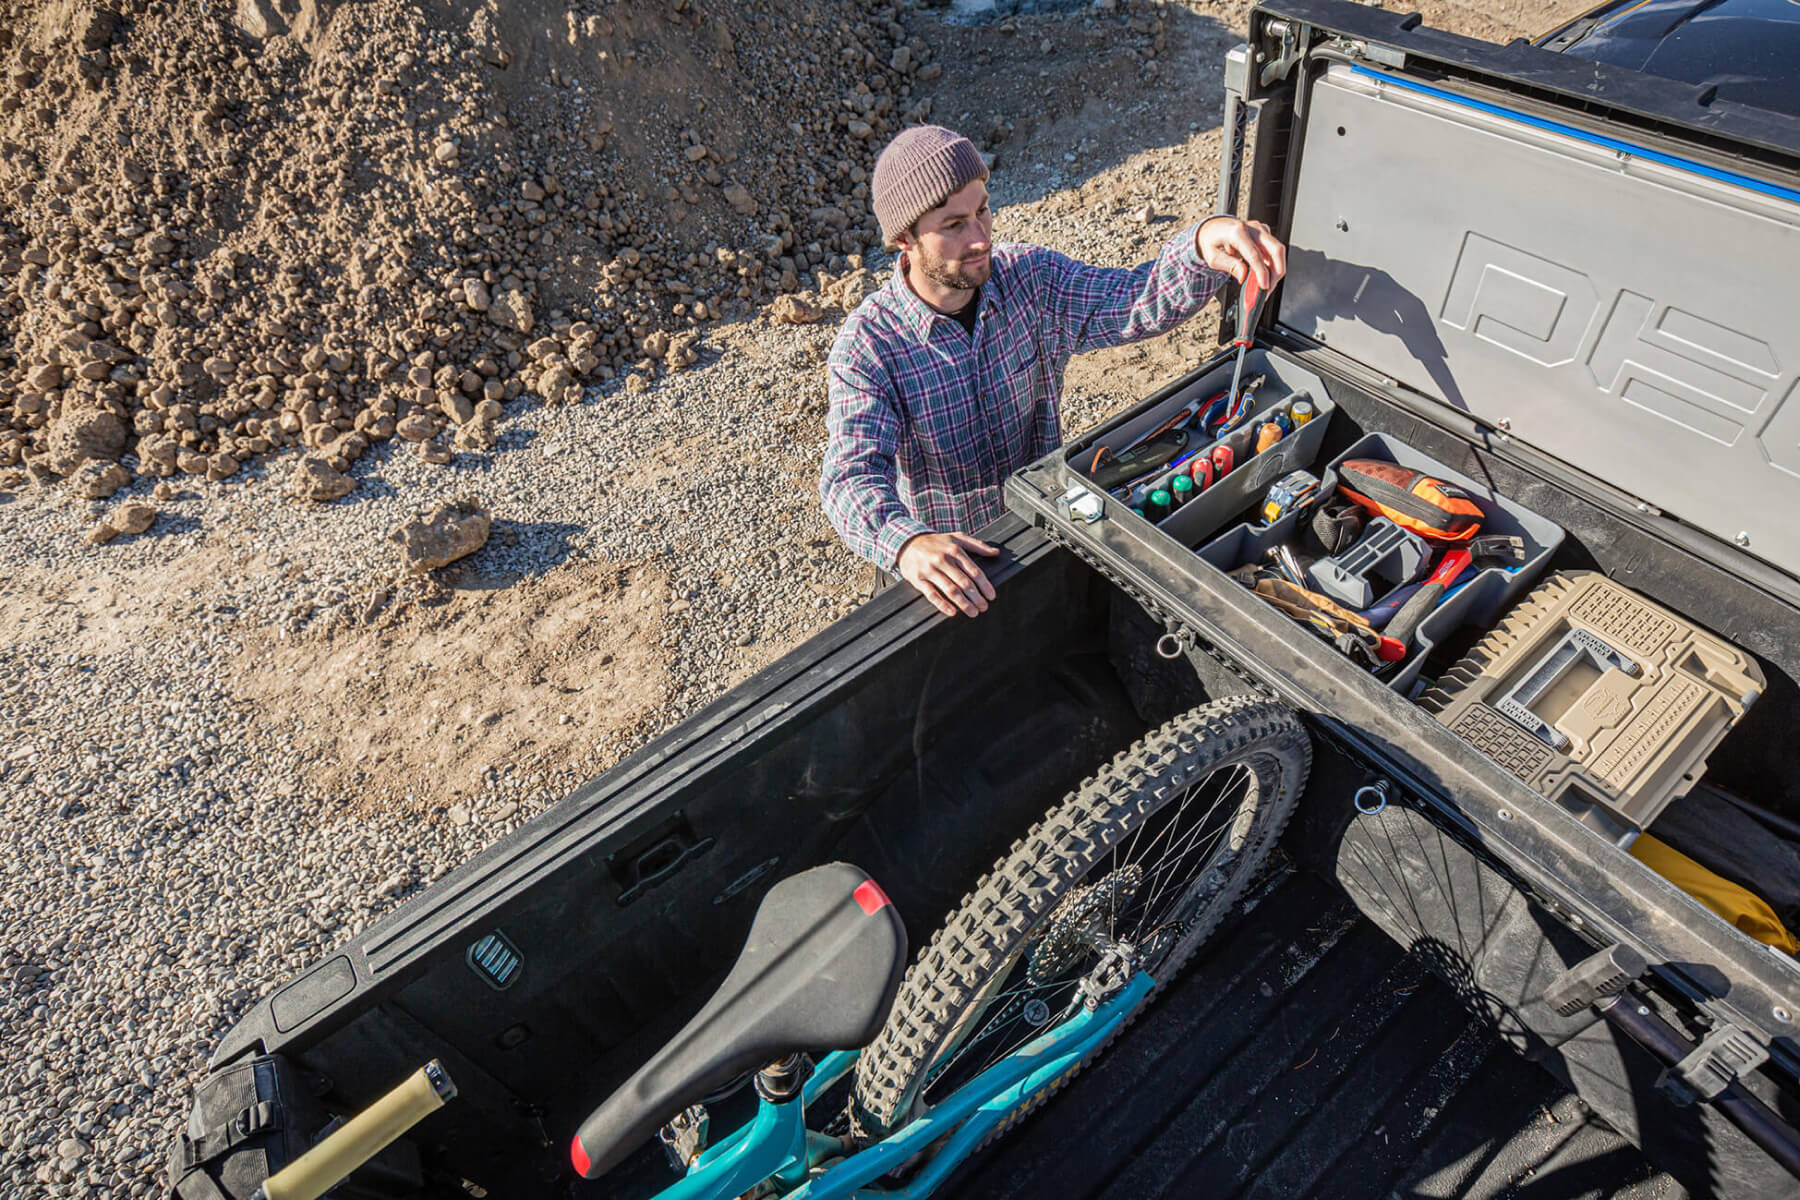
[(317, 480), (448, 532), (90, 434)]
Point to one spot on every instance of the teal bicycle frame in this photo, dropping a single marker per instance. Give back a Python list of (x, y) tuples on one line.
[(776, 1145)]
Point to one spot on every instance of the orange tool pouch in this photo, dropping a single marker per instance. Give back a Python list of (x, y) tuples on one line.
[(1411, 499)]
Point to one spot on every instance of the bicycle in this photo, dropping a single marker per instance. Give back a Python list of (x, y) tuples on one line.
[(1039, 968), (1042, 964)]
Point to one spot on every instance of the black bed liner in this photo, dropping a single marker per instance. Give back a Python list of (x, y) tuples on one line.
[(1307, 1055)]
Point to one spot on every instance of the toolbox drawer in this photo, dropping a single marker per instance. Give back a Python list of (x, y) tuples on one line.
[(1285, 382), (1479, 603), (1588, 873)]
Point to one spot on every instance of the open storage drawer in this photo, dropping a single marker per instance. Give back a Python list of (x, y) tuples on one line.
[(1576, 866)]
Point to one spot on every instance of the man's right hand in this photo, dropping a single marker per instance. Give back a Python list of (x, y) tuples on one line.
[(938, 564)]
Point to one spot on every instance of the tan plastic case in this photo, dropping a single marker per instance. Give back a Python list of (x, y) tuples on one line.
[(1598, 698)]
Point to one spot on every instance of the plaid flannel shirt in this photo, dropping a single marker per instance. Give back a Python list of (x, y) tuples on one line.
[(926, 421)]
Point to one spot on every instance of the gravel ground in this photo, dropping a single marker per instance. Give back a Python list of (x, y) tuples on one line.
[(169, 847)]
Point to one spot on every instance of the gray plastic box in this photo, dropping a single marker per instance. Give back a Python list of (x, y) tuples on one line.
[(1485, 597), (1207, 513)]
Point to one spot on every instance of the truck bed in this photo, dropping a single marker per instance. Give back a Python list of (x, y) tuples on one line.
[(1306, 1054)]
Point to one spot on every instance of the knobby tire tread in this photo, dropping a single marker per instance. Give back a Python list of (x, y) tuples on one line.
[(992, 923)]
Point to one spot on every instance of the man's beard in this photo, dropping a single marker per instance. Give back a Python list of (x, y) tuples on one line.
[(939, 272)]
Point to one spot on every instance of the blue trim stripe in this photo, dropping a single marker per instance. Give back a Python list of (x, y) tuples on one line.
[(1581, 135)]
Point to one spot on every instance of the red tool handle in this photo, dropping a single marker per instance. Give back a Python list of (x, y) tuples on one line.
[(1406, 621), (1250, 298)]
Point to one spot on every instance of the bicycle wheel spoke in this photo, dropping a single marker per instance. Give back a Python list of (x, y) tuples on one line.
[(1171, 860), (1166, 866)]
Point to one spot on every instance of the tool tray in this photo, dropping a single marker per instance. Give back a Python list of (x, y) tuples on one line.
[(1285, 382), (1480, 603)]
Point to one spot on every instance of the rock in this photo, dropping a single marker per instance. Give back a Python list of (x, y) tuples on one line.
[(416, 428), (795, 310), (102, 533), (681, 351), (854, 288), (656, 344), (511, 310), (1145, 215), (220, 465), (133, 516), (444, 152), (740, 199), (458, 814), (636, 384), (97, 481), (476, 295), (73, 1147), (443, 535), (84, 435), (157, 455), (315, 479), (458, 407), (860, 129), (46, 378), (929, 72), (558, 386), (435, 451), (902, 59), (696, 153), (476, 435), (191, 462)]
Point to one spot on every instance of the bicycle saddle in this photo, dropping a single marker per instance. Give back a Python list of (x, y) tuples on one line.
[(818, 972)]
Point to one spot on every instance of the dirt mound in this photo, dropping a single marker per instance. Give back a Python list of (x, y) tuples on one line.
[(328, 224)]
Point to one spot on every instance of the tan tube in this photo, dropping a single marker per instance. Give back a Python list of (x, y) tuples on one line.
[(362, 1137)]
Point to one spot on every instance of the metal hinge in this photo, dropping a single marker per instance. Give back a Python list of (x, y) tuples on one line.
[(1287, 36)]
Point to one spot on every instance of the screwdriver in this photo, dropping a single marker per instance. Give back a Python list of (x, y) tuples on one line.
[(1250, 301)]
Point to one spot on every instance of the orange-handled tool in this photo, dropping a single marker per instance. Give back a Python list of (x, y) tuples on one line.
[(1426, 598)]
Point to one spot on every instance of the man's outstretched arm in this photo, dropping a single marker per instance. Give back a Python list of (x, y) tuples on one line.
[(1094, 307)]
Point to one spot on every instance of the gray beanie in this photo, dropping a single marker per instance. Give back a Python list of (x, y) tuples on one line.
[(918, 171)]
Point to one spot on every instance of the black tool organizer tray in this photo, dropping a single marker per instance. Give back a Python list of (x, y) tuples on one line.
[(1197, 525), (1489, 594), (1284, 383)]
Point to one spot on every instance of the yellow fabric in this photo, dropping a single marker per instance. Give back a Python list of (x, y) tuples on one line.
[(1744, 909)]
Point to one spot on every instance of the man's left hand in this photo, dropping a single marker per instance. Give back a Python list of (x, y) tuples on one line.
[(1241, 248)]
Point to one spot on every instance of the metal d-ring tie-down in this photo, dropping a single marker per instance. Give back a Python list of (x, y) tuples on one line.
[(1371, 798), (1171, 645)]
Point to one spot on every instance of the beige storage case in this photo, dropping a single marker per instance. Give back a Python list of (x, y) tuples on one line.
[(1598, 698)]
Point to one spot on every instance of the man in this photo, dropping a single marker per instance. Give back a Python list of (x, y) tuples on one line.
[(948, 379)]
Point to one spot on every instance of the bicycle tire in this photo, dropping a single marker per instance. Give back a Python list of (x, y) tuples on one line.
[(982, 941)]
